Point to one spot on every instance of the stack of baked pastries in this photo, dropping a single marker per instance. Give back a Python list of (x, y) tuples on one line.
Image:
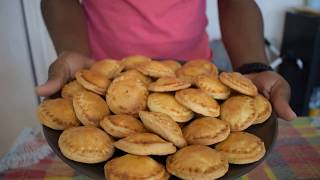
[(191, 114)]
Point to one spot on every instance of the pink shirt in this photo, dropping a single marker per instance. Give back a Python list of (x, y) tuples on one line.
[(156, 28)]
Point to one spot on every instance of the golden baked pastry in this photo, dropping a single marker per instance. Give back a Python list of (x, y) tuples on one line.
[(57, 114), (239, 111), (155, 69), (213, 87), (90, 108), (198, 101), (127, 96), (239, 83), (86, 144), (130, 62), (93, 81), (206, 131), (192, 69), (120, 126), (174, 65), (134, 74), (197, 162), (70, 89), (164, 126), (107, 67), (242, 148), (145, 144), (166, 103), (132, 167), (166, 84), (263, 108)]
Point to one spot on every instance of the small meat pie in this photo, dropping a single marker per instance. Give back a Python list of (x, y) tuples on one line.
[(206, 131), (93, 81), (70, 89), (197, 162), (120, 126), (127, 96), (86, 144), (239, 111), (242, 148), (108, 67), (198, 101), (192, 69), (167, 104), (239, 83), (132, 167), (134, 75), (174, 65), (166, 84), (155, 69), (145, 144), (164, 126), (90, 108), (130, 62), (212, 86), (57, 114), (263, 108)]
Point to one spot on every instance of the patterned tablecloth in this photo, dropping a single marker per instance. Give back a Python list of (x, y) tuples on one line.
[(296, 155)]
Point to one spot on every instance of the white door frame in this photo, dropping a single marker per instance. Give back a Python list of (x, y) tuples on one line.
[(41, 48)]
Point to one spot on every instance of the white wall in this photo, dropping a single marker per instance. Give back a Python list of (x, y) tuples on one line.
[(41, 46), (273, 13), (18, 100)]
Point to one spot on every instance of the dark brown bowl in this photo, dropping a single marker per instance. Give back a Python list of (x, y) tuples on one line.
[(267, 131)]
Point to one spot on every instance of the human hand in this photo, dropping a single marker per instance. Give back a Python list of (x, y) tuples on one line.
[(274, 87), (62, 70)]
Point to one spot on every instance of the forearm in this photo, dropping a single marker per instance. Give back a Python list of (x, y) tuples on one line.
[(66, 25), (242, 31)]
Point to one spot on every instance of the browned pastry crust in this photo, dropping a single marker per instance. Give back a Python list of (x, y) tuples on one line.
[(242, 148), (127, 96), (194, 68), (135, 75), (131, 62), (166, 103), (174, 65), (264, 109), (197, 162), (71, 88), (90, 108), (213, 87), (206, 131), (239, 111), (145, 144), (238, 82), (133, 167), (166, 84), (108, 67), (155, 69), (120, 126), (86, 144), (164, 126), (93, 81), (198, 101), (57, 114)]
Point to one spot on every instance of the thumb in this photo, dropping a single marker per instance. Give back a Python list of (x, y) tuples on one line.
[(58, 76), (280, 96), (283, 109), (49, 88)]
